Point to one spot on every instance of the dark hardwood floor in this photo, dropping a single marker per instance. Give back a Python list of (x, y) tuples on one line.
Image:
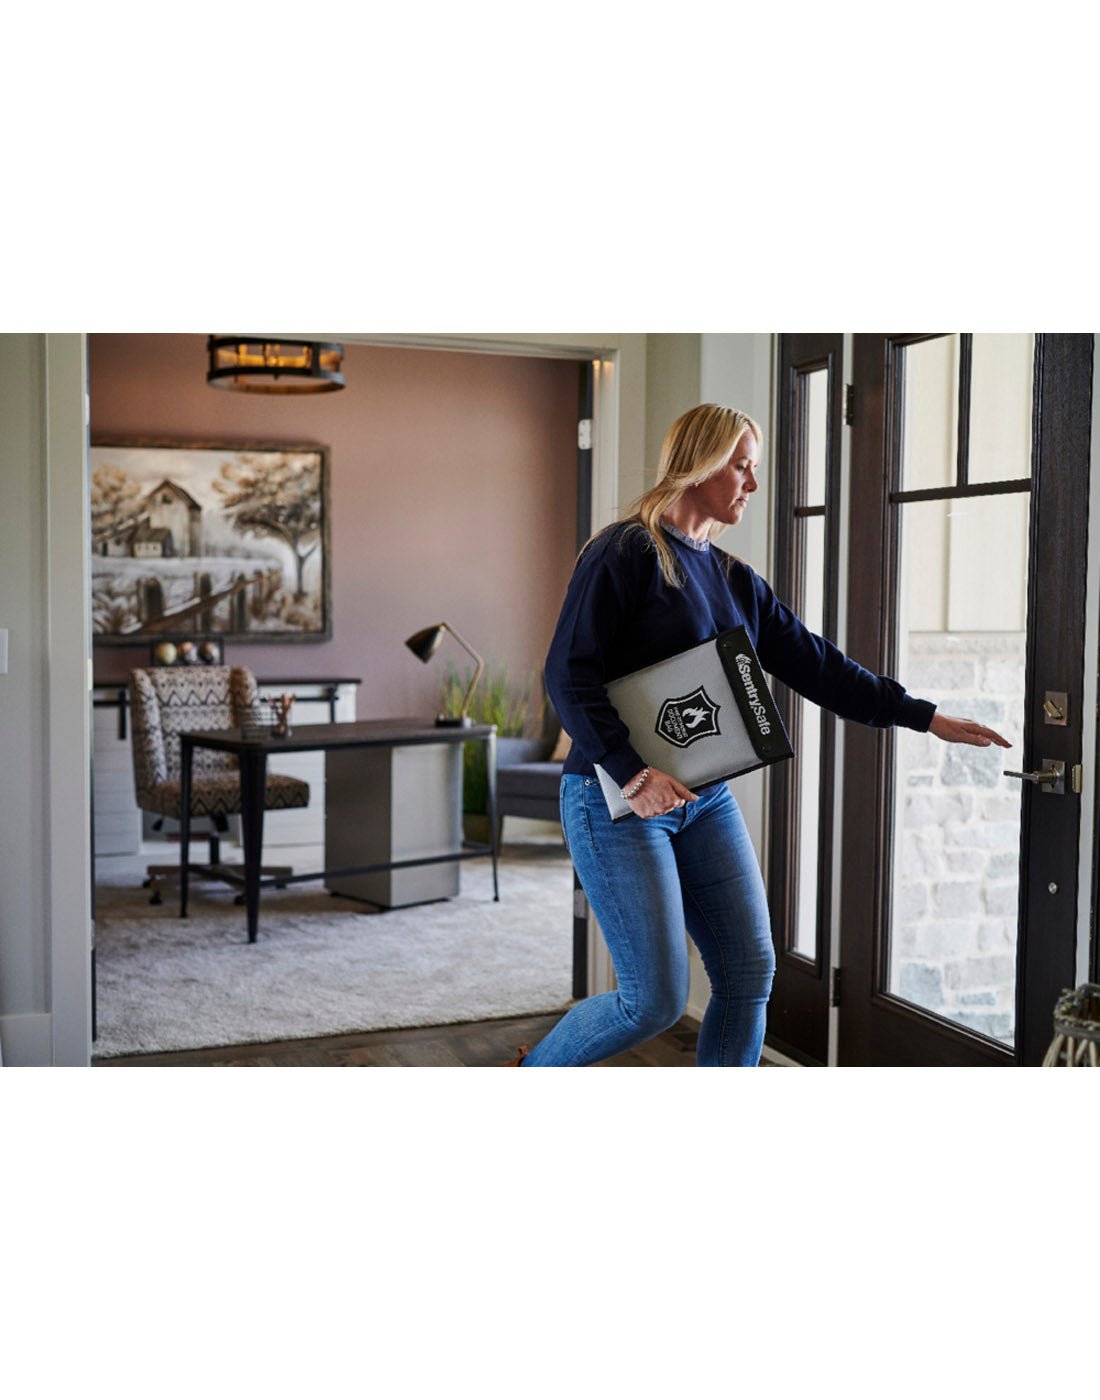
[(473, 1044)]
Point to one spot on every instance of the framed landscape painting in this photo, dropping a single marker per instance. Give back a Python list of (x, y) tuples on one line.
[(206, 539)]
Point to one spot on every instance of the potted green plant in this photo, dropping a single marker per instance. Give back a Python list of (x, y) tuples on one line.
[(498, 701)]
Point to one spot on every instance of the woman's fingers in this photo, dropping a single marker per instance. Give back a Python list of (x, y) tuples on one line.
[(955, 730), (661, 794), (682, 795), (985, 737)]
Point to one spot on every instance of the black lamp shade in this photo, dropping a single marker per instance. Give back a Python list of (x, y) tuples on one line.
[(425, 644)]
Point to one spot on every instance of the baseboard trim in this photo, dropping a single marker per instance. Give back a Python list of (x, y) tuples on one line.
[(776, 1057), (25, 1040), (784, 1054)]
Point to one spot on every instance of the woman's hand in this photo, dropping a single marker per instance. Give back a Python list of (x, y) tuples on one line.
[(660, 793), (964, 731)]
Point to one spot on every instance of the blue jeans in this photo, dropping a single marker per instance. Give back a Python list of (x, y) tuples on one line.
[(647, 879)]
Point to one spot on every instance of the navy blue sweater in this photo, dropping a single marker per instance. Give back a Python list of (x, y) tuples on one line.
[(619, 615)]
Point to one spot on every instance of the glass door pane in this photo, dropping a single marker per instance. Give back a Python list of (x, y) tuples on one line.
[(815, 387), (808, 757), (1002, 370), (809, 540), (929, 413), (961, 630)]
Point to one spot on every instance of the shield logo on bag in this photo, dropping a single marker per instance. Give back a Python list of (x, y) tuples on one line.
[(687, 718)]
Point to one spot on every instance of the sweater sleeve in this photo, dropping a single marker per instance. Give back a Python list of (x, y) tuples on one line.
[(820, 671), (596, 603)]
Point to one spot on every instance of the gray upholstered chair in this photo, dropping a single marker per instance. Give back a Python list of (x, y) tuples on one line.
[(528, 776), (168, 700)]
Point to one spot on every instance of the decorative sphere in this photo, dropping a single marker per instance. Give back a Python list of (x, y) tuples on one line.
[(165, 654)]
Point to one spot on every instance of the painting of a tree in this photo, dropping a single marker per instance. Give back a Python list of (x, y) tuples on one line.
[(116, 500), (277, 495)]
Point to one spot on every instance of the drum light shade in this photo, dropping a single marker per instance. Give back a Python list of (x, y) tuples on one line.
[(252, 364), (425, 644)]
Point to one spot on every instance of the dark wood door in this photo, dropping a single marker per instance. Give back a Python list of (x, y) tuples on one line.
[(802, 792), (969, 493)]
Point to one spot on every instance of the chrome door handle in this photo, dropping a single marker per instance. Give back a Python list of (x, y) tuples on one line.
[(1051, 777)]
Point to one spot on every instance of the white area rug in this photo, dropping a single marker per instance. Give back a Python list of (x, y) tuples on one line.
[(325, 965)]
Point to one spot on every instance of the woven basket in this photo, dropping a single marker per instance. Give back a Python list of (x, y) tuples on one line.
[(1076, 1028)]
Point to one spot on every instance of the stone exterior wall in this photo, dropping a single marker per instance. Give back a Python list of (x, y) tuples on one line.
[(957, 835)]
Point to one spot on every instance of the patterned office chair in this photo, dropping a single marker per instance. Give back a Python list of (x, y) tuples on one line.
[(167, 700)]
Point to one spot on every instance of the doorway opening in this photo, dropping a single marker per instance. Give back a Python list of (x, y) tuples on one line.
[(536, 849)]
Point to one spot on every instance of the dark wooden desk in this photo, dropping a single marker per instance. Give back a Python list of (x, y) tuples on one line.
[(253, 754)]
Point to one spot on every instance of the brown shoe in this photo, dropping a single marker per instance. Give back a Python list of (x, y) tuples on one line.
[(520, 1052)]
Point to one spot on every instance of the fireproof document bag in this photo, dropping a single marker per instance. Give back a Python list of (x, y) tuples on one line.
[(703, 715)]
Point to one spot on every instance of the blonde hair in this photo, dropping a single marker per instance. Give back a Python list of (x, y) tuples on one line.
[(697, 445)]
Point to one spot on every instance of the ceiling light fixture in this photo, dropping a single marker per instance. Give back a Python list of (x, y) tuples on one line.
[(252, 364)]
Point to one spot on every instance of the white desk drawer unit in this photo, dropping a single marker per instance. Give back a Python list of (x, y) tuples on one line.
[(120, 825)]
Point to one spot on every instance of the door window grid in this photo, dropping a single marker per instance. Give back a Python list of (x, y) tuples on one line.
[(954, 864)]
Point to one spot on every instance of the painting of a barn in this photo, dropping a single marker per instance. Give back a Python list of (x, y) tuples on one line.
[(203, 540)]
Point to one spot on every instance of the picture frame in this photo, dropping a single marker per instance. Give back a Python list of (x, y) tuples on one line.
[(209, 539)]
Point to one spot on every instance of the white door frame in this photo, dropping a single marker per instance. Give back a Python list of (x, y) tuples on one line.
[(618, 455), (68, 691)]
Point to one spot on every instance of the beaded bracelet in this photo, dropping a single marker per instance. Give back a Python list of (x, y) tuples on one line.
[(632, 792)]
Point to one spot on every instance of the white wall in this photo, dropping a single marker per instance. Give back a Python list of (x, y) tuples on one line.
[(24, 966), (45, 819), (672, 387)]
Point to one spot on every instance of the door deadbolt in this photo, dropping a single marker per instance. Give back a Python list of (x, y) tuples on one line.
[(1056, 708)]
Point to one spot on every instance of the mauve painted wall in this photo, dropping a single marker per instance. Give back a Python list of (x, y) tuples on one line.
[(453, 498)]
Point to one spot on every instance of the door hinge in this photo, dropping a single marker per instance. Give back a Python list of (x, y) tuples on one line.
[(834, 991), (584, 434), (849, 404)]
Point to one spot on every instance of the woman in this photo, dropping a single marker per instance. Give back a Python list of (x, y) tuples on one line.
[(642, 590)]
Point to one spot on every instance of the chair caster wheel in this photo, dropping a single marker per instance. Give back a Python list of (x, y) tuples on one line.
[(156, 899), (146, 882), (238, 899)]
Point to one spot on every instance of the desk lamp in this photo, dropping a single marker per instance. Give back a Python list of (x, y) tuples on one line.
[(425, 644)]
